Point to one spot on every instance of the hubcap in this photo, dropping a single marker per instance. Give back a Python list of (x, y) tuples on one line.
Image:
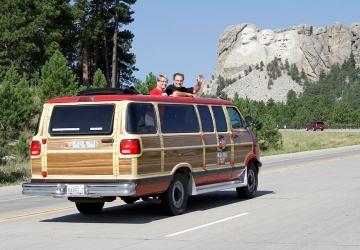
[(178, 194)]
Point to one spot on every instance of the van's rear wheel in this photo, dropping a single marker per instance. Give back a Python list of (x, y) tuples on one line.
[(89, 207), (175, 199), (249, 191)]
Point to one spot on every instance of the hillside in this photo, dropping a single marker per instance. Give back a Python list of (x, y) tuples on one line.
[(312, 50)]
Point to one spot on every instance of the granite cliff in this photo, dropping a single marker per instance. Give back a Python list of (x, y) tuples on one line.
[(242, 48)]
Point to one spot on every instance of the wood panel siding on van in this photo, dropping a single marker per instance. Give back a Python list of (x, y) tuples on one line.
[(181, 135), (125, 166), (242, 146), (149, 163), (36, 166), (185, 149), (211, 146), (150, 160), (84, 163)]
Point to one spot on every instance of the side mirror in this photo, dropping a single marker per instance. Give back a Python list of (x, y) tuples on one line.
[(249, 121)]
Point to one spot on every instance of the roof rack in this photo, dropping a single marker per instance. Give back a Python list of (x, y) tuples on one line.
[(108, 91)]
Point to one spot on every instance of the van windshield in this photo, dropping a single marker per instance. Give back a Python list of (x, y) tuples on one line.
[(82, 120)]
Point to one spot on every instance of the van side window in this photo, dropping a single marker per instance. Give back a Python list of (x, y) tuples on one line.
[(178, 118), (219, 117), (236, 120), (205, 117), (140, 118)]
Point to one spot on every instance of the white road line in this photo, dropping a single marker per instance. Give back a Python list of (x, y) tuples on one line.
[(205, 225), (20, 198)]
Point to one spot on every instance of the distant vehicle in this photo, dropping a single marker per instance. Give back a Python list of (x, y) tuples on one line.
[(314, 125)]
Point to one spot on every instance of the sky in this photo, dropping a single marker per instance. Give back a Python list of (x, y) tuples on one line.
[(182, 35)]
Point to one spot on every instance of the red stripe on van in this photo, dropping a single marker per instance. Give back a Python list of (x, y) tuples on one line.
[(147, 98)]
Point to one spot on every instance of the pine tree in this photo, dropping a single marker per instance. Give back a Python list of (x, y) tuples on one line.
[(16, 104), (31, 31), (146, 86), (103, 41), (57, 79), (99, 80)]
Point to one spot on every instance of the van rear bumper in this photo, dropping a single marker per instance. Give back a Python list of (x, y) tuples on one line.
[(92, 190)]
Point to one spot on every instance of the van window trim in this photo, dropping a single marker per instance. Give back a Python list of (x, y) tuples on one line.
[(229, 119), (182, 104), (157, 122), (223, 107), (212, 119), (49, 113)]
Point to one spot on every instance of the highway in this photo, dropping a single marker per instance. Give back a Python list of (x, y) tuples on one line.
[(307, 200)]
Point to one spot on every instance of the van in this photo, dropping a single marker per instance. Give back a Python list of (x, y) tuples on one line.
[(101, 145)]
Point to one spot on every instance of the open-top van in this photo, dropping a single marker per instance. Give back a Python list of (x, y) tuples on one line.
[(98, 146)]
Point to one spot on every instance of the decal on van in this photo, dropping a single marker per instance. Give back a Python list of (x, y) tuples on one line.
[(222, 154)]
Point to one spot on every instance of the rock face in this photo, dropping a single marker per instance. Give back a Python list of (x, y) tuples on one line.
[(311, 49)]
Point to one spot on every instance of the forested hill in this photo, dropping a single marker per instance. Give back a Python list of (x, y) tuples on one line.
[(334, 99)]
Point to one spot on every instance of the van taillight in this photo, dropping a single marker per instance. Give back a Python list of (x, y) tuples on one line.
[(130, 146), (35, 148)]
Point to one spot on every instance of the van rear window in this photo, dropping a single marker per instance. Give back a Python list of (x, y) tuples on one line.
[(82, 120)]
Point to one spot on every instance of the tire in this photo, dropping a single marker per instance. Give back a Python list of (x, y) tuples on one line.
[(89, 207), (249, 191), (175, 199), (129, 199)]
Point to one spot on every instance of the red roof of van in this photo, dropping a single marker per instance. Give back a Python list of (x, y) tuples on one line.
[(147, 98)]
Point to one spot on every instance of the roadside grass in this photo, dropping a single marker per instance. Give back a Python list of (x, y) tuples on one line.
[(293, 141), (297, 141), (14, 173)]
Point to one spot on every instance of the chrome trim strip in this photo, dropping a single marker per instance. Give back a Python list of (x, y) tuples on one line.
[(92, 190)]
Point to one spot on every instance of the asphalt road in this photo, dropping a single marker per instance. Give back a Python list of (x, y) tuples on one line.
[(306, 201)]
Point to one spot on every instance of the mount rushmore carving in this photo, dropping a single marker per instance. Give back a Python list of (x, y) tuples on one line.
[(311, 49)]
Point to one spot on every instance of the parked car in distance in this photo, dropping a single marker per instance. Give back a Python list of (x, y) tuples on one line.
[(314, 125)]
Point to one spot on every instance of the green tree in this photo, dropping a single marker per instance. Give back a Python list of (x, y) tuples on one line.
[(31, 31), (99, 80), (146, 86), (103, 41), (16, 105), (287, 66), (56, 79), (267, 132), (294, 73)]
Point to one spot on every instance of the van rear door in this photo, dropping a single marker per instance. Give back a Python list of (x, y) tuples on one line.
[(80, 142)]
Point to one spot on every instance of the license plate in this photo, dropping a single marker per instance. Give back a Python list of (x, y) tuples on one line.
[(75, 189), (81, 145)]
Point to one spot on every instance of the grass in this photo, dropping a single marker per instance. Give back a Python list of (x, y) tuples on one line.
[(293, 141), (14, 173), (297, 141)]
